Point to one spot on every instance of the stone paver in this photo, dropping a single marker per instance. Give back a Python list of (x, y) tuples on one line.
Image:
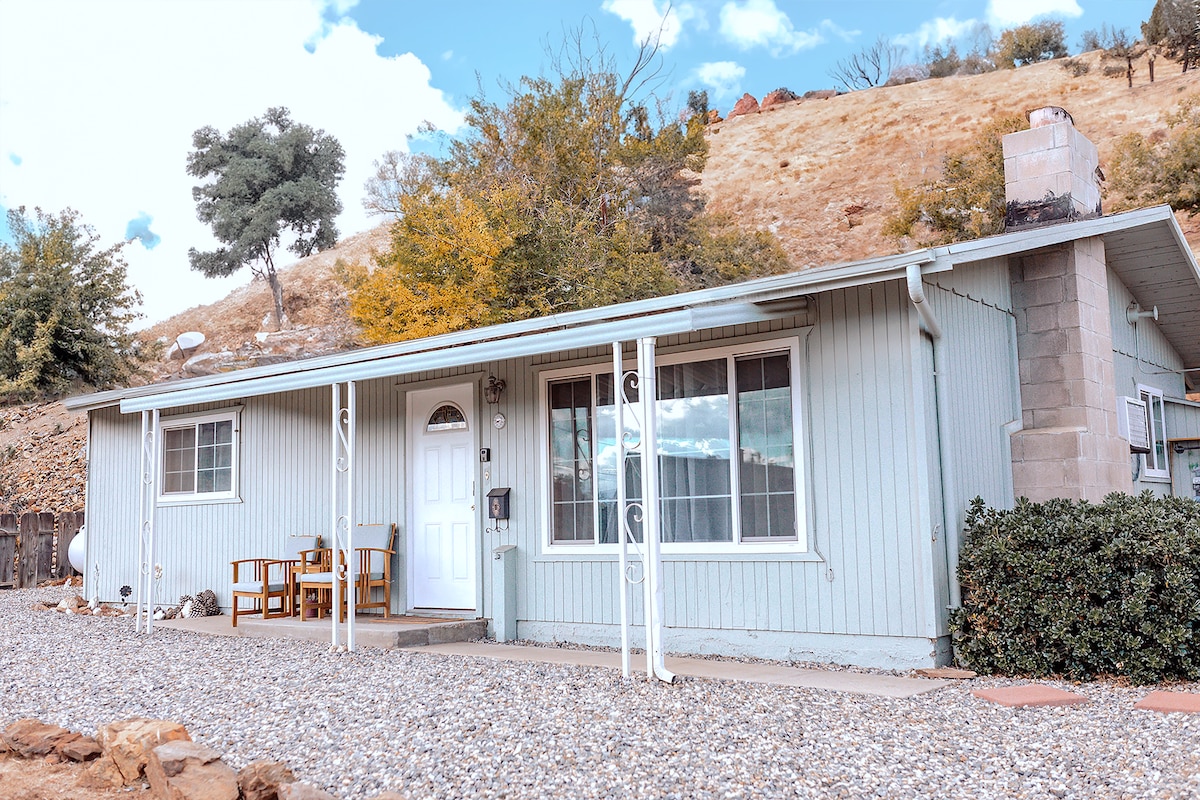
[(1167, 702), (1029, 694)]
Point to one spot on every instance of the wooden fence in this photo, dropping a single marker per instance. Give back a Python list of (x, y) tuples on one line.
[(33, 547)]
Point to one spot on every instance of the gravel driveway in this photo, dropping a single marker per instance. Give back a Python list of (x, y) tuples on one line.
[(448, 727)]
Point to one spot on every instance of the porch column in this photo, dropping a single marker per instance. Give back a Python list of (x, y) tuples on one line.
[(341, 533), (147, 502)]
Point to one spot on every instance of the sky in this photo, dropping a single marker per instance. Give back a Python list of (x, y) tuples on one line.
[(99, 98)]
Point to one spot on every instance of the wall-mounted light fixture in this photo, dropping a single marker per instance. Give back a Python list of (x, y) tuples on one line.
[(493, 390), (1134, 313)]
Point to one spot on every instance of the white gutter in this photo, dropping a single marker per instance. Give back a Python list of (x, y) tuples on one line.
[(916, 293)]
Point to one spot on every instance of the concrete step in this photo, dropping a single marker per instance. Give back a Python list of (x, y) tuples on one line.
[(381, 633)]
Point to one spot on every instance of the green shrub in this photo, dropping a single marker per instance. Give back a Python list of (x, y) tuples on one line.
[(1082, 589)]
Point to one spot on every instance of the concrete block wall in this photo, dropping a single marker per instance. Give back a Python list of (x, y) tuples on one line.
[(1053, 162), (1069, 446)]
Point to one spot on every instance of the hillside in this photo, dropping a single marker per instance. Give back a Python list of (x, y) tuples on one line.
[(818, 173)]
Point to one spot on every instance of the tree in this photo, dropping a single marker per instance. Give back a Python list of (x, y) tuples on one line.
[(1028, 44), (1165, 171), (871, 66), (574, 192), (268, 176), (1174, 25), (65, 308), (967, 201)]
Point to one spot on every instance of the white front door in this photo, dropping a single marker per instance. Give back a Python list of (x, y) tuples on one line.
[(443, 552)]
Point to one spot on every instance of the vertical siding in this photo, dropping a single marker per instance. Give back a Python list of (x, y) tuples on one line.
[(974, 307), (1144, 341), (856, 376)]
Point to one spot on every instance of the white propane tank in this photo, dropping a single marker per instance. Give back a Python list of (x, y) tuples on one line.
[(77, 552)]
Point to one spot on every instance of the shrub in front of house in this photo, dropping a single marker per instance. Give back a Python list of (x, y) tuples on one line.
[(1082, 589)]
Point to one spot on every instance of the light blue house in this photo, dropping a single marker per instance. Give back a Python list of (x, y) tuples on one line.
[(820, 435)]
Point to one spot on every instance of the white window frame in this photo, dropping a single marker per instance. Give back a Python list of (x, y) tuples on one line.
[(1156, 422), (790, 345), (194, 420)]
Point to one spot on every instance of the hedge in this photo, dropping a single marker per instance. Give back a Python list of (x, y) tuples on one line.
[(1082, 589)]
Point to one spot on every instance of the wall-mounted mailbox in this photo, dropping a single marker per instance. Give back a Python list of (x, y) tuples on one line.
[(498, 503)]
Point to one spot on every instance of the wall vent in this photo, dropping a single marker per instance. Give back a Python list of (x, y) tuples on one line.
[(1132, 424)]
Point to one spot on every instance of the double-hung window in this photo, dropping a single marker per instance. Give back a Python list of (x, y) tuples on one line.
[(727, 449), (1156, 467), (198, 457)]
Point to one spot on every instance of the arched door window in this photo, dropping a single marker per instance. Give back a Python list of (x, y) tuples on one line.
[(446, 417)]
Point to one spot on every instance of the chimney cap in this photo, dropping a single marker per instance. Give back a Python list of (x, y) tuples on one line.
[(1049, 115)]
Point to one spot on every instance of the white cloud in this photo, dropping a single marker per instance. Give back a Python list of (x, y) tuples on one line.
[(141, 76), (652, 18), (1008, 13), (723, 77), (937, 30), (760, 23)]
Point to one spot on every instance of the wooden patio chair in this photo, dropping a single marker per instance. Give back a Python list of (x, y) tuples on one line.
[(262, 580), (373, 551)]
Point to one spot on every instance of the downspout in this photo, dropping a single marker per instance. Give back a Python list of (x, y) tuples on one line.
[(916, 293)]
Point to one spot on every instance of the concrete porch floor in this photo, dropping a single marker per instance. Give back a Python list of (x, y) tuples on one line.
[(461, 638), (369, 631)]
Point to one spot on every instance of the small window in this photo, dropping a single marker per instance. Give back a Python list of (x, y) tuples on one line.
[(446, 418), (198, 458), (1156, 467)]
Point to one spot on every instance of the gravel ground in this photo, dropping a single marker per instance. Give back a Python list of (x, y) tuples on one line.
[(449, 727)]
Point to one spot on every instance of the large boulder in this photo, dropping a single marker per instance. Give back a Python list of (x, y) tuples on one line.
[(81, 748), (185, 770), (32, 738), (746, 105), (260, 780), (129, 742)]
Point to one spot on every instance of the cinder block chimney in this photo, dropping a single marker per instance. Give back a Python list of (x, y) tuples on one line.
[(1068, 445), (1051, 172)]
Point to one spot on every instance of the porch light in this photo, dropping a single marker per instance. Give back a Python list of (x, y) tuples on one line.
[(493, 390)]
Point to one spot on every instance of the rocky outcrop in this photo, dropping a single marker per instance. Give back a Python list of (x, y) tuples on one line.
[(777, 98), (747, 105), (714, 116)]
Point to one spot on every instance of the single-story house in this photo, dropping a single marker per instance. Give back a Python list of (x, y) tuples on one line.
[(820, 436)]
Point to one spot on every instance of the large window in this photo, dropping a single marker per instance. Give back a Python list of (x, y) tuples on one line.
[(199, 458), (726, 450), (1156, 460)]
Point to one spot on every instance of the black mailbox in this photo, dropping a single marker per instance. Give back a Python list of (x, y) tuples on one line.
[(498, 503)]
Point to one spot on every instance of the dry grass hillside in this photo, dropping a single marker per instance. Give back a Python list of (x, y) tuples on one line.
[(819, 173)]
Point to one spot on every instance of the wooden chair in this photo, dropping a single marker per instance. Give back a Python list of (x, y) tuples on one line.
[(262, 580), (373, 553)]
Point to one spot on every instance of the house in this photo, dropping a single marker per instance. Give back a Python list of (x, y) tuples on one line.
[(820, 435)]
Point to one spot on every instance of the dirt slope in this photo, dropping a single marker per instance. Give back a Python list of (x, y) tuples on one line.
[(819, 173)]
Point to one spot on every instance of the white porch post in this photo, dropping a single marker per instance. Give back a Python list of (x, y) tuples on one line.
[(147, 501), (344, 423), (646, 511), (651, 511)]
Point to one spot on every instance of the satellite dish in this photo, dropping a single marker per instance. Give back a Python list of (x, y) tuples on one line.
[(185, 344)]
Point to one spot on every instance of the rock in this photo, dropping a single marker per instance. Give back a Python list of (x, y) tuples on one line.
[(83, 748), (33, 738), (777, 98), (130, 741), (102, 774), (303, 791), (714, 116), (260, 780), (747, 105), (820, 94), (185, 770)]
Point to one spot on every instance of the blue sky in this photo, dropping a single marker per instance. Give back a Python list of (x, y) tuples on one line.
[(98, 100)]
